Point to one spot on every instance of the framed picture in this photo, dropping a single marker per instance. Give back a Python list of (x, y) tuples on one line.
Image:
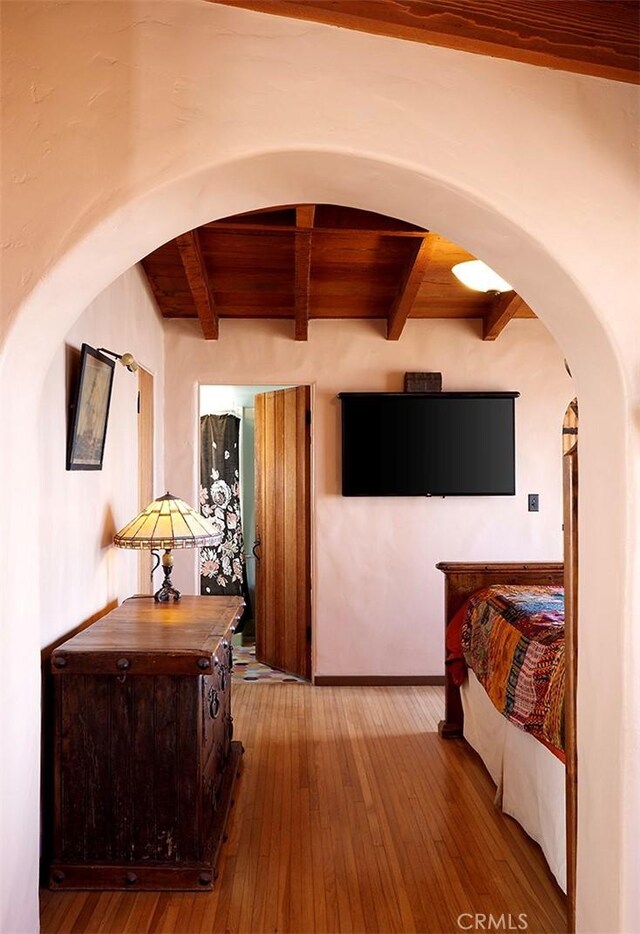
[(90, 411)]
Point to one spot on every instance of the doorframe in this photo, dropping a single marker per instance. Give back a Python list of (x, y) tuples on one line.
[(312, 489), (146, 459), (571, 559)]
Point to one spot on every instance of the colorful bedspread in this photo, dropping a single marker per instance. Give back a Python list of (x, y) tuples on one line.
[(512, 637)]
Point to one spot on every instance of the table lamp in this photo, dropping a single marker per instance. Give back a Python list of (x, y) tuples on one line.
[(167, 522)]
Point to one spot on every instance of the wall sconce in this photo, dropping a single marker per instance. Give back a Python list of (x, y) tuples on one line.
[(127, 360)]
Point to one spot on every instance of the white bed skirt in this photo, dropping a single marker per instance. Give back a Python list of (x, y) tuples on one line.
[(529, 778)]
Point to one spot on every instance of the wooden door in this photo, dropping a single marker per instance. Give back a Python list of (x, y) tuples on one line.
[(283, 526), (570, 489), (145, 467)]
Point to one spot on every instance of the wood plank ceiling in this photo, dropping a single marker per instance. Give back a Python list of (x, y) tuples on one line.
[(306, 261), (590, 37)]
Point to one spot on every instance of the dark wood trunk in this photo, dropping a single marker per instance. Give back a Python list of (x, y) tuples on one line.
[(143, 758)]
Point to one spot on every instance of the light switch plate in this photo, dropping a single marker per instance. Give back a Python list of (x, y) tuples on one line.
[(534, 502)]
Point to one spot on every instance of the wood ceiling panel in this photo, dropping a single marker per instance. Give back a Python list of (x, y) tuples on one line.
[(351, 280), (363, 262), (590, 37), (337, 217), (441, 288), (361, 312), (178, 312), (225, 279), (256, 303), (283, 263), (372, 305), (278, 217), (167, 266), (240, 310), (246, 247), (443, 308), (326, 217), (170, 286)]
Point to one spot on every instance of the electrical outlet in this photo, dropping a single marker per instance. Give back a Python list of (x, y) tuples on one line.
[(534, 502)]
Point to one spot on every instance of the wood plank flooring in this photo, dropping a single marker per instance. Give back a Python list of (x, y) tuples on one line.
[(351, 815)]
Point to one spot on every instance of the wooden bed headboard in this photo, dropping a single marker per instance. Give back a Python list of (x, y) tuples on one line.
[(461, 581)]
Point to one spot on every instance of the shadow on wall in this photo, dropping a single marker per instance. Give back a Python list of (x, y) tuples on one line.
[(108, 528)]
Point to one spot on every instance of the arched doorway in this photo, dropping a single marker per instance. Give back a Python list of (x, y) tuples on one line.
[(473, 118), (239, 181)]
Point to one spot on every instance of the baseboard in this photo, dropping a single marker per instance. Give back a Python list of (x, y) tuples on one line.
[(377, 680)]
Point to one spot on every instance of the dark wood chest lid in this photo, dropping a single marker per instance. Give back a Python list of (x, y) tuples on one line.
[(144, 637)]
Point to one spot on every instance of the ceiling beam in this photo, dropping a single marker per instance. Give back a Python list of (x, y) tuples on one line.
[(503, 308), (196, 272), (305, 214), (411, 282), (598, 38), (232, 226)]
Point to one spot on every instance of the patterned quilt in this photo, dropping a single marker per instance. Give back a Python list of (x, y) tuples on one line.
[(512, 637)]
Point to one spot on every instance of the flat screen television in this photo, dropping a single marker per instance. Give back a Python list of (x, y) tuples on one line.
[(428, 444)]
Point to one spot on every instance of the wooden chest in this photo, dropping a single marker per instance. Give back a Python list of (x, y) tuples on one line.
[(144, 762)]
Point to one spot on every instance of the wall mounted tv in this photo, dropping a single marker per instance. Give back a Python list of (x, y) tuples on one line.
[(428, 444)]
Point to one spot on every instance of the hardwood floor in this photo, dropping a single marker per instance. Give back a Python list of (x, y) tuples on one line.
[(351, 815)]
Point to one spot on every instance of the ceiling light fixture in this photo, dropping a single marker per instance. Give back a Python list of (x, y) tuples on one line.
[(478, 276)]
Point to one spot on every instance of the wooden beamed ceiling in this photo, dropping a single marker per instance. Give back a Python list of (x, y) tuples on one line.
[(312, 262), (589, 37)]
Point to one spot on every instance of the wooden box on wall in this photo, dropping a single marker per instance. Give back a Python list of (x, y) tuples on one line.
[(422, 382), (144, 762)]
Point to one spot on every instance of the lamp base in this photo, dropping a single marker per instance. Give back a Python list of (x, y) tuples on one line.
[(167, 590)]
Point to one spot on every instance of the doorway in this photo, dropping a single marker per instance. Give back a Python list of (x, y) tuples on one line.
[(574, 305), (271, 426)]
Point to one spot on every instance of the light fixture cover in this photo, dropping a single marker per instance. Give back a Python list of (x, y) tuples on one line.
[(478, 276), (129, 362), (167, 522)]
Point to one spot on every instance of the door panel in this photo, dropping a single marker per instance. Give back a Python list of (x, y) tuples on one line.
[(283, 568), (145, 467)]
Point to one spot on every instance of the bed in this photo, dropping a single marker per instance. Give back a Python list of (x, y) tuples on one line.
[(504, 689)]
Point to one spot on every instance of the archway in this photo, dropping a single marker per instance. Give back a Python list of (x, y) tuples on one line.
[(388, 188)]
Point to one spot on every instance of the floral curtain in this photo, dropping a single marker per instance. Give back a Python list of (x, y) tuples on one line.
[(222, 566)]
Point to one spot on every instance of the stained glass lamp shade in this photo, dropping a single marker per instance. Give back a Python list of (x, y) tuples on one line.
[(167, 522)]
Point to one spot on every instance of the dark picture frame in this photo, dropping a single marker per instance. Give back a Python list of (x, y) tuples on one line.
[(89, 413)]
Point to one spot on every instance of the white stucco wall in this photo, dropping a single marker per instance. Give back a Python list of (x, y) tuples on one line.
[(80, 572), (376, 591), (126, 123)]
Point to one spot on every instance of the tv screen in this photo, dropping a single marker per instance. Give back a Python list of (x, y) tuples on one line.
[(428, 444)]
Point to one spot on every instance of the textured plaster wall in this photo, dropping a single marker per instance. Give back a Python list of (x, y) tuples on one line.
[(126, 123), (80, 570), (377, 593), (64, 570)]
